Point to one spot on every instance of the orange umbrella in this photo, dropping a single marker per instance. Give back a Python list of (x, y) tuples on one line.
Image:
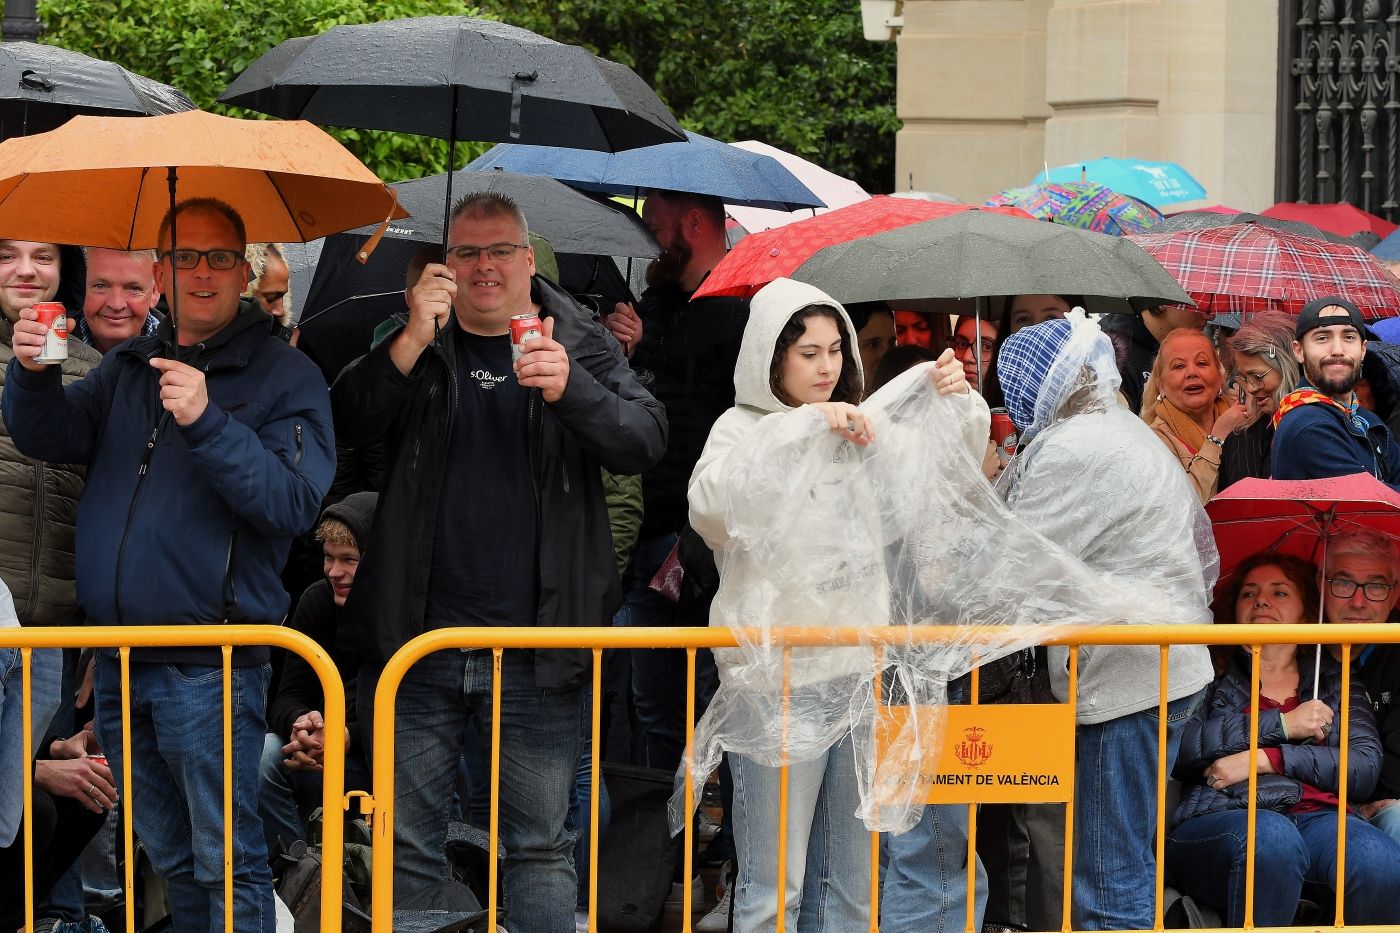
[(108, 181)]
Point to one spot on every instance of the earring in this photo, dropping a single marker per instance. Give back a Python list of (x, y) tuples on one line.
[(1159, 396)]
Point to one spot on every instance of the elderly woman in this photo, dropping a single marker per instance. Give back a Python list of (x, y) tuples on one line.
[(1185, 405), (1298, 773), (1264, 372)]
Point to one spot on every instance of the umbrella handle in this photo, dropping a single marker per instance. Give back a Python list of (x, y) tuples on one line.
[(362, 256)]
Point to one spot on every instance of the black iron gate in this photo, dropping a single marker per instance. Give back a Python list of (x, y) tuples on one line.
[(1339, 103)]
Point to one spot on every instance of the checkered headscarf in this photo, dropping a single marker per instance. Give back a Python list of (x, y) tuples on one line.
[(1040, 367)]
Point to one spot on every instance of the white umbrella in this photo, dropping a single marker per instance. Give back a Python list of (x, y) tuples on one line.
[(830, 187)]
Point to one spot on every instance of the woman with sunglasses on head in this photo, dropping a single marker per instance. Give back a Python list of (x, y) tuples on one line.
[(1264, 371), (1297, 770)]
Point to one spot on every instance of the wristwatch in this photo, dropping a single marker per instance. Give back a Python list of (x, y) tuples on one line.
[(1215, 440)]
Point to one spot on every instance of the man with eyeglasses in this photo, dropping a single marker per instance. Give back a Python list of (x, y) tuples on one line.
[(491, 513), (121, 293), (200, 471), (1320, 428), (1363, 569)]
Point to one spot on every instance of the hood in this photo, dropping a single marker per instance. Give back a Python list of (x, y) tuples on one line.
[(768, 312), (250, 315), (356, 512)]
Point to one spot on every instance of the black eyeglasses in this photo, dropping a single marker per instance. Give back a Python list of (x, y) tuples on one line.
[(499, 252), (1342, 588), (220, 260), (962, 345)]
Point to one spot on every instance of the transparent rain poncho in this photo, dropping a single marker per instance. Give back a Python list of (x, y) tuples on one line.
[(904, 533)]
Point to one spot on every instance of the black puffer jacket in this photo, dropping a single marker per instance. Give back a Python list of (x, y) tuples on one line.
[(1380, 672), (1219, 728)]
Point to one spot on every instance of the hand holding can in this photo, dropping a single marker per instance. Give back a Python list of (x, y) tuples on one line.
[(55, 321), (29, 339)]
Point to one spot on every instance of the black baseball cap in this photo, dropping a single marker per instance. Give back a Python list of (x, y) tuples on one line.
[(1311, 317)]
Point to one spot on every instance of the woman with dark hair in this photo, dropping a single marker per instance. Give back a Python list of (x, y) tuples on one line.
[(796, 362), (1263, 372), (974, 343), (875, 335), (1297, 768)]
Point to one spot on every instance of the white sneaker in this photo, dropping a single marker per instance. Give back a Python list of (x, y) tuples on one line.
[(697, 894), (580, 921), (706, 829), (717, 920)]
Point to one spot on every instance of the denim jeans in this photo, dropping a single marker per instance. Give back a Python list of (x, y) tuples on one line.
[(539, 755), (1206, 859), (925, 882), (827, 887), (1115, 816), (277, 804), (45, 673), (1388, 821), (177, 765)]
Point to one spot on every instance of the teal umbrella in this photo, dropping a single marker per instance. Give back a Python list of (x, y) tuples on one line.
[(1161, 184)]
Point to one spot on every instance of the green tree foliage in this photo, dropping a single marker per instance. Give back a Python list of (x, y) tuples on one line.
[(793, 73)]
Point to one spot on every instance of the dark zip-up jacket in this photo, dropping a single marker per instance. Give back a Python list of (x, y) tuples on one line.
[(185, 525), (1318, 441), (1380, 672), (605, 418), (38, 511), (1137, 350), (1219, 728)]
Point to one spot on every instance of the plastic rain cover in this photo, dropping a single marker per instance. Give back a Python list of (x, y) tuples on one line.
[(906, 533)]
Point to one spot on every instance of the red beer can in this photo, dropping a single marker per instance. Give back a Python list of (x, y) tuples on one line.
[(100, 759), (55, 319), (523, 327), (1003, 434)]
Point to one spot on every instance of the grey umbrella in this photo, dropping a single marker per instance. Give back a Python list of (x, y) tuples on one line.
[(42, 86), (976, 254), (1199, 220), (570, 221)]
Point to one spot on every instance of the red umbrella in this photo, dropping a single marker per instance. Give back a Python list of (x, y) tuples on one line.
[(759, 258), (1245, 268), (1297, 517), (1341, 219)]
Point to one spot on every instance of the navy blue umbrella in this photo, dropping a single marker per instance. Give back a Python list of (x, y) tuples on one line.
[(1388, 250), (699, 165)]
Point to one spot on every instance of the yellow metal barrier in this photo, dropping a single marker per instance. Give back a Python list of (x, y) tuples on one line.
[(124, 638), (598, 639)]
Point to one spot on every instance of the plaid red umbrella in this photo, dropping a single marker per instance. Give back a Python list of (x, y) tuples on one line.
[(1341, 219), (1246, 268), (759, 258)]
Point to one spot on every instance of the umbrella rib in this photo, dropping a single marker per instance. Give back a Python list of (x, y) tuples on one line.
[(131, 231), (296, 221)]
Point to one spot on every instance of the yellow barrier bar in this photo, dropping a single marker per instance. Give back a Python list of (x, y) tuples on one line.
[(1066, 923), (970, 914), (877, 688), (492, 879), (127, 809), (1342, 785), (1251, 808), (26, 698), (227, 651), (689, 787), (1159, 873), (595, 754), (783, 794)]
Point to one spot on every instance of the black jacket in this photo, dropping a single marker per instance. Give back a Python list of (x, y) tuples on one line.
[(1218, 728), (1380, 672), (690, 348), (605, 418), (1135, 361)]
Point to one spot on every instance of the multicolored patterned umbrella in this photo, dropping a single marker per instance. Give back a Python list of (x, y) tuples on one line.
[(1248, 268), (1081, 204)]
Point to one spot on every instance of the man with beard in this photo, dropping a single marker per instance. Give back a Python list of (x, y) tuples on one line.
[(690, 349), (1320, 429)]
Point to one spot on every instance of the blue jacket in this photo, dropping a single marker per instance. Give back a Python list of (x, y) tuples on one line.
[(193, 524), (1317, 441)]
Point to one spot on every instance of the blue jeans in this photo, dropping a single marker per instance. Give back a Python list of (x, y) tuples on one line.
[(925, 883), (827, 887), (45, 673), (177, 766), (540, 730), (1388, 821), (1206, 857), (1115, 816), (277, 803)]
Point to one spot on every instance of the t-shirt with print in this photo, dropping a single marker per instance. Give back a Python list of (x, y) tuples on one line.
[(485, 559)]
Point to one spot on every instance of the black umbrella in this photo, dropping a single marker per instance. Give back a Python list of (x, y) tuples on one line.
[(43, 86), (1200, 220), (570, 221)]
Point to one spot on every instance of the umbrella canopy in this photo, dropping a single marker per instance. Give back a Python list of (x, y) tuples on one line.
[(1202, 219), (44, 86), (1160, 184), (760, 258), (1388, 250), (1081, 204), (456, 78), (977, 253), (1247, 268), (1341, 219), (570, 221), (1295, 516), (104, 181), (700, 165), (830, 187)]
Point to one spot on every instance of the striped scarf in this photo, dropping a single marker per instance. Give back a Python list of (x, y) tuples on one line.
[(1300, 397)]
